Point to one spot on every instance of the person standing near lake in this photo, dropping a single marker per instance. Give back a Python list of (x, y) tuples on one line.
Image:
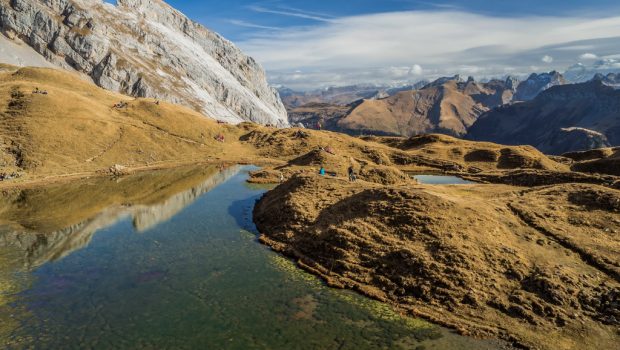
[(351, 172)]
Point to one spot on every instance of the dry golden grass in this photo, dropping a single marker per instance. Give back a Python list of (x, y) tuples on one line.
[(441, 108), (539, 267), (75, 128)]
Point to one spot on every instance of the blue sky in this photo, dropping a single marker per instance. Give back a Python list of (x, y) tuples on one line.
[(234, 18), (310, 44)]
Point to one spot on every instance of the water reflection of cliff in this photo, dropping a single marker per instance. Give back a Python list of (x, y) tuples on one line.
[(147, 217), (48, 224)]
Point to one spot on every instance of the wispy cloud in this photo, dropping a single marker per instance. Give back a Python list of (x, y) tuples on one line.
[(298, 10), (247, 24), (444, 6), (444, 42), (291, 13)]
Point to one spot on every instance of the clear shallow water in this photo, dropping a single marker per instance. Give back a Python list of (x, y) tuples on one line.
[(441, 180), (169, 260)]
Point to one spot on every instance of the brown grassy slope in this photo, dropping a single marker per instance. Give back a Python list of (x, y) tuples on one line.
[(459, 255), (311, 113), (436, 150), (561, 119), (383, 159), (601, 161), (583, 217), (593, 154), (444, 108), (74, 128), (484, 155)]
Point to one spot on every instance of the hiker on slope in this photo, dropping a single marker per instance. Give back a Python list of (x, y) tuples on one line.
[(351, 172)]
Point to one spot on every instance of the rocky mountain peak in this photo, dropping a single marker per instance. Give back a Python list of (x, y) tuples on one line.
[(512, 83), (581, 72), (537, 83), (440, 81), (145, 48), (611, 79)]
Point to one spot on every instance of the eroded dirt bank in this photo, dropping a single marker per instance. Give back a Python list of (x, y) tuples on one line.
[(535, 266)]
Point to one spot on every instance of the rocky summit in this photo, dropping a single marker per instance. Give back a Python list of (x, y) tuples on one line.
[(537, 83), (143, 48)]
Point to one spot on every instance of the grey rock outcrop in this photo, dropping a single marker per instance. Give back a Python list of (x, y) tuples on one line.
[(145, 48), (537, 83)]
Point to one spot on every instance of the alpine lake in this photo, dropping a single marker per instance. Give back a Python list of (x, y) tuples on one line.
[(169, 259)]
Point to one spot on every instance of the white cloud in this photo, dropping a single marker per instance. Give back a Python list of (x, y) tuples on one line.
[(242, 23), (547, 59), (443, 42), (588, 56), (470, 69), (290, 12)]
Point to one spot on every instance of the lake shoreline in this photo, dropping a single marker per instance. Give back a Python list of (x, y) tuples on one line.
[(135, 249), (473, 258), (128, 170)]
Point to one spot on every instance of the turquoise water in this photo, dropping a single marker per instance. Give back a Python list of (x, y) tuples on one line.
[(442, 180), (171, 261)]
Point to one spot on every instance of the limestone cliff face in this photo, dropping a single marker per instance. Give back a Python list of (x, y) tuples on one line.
[(146, 48)]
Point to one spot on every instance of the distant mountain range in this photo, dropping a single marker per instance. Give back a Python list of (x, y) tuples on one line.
[(537, 83), (611, 79), (561, 119), (580, 73), (342, 95), (448, 106), (545, 110), (145, 48)]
